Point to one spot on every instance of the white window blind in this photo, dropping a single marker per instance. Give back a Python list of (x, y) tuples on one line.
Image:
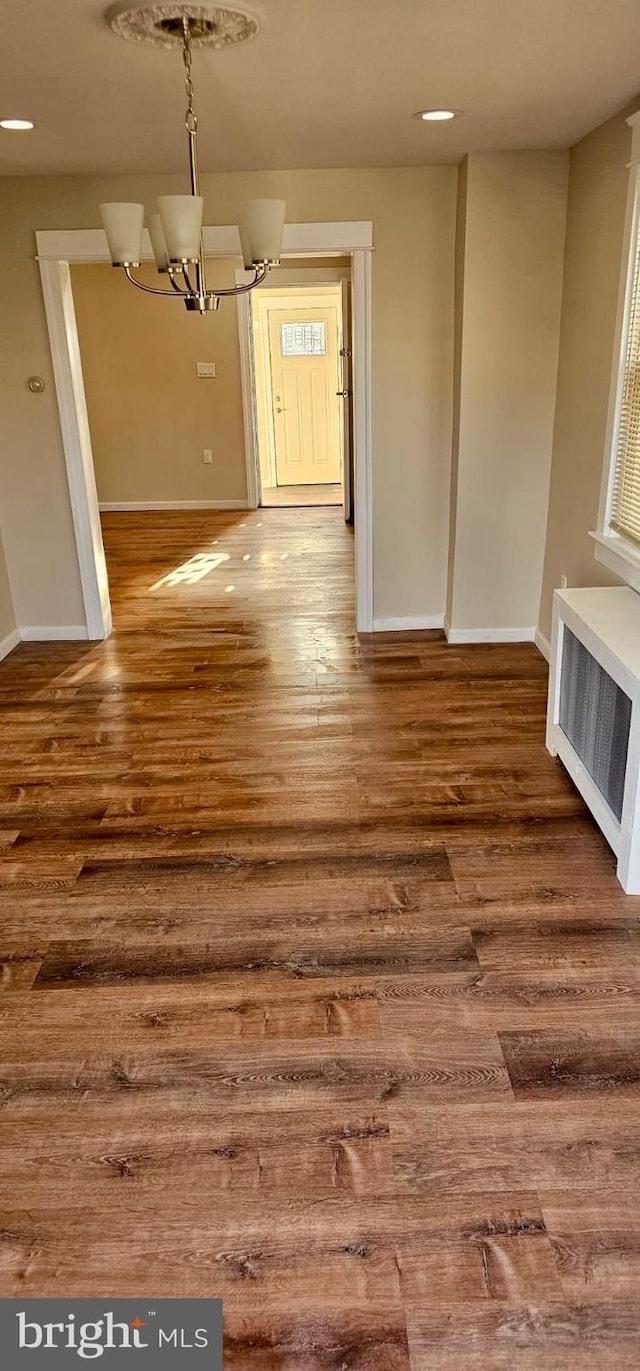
[(625, 509)]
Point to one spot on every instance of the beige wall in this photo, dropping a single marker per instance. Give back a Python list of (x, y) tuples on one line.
[(595, 224), (413, 211), (149, 414), (515, 208), (510, 261), (7, 614), (459, 259)]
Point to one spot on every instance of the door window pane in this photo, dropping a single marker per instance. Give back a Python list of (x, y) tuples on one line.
[(303, 340)]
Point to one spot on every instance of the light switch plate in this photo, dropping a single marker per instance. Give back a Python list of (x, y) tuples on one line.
[(205, 370)]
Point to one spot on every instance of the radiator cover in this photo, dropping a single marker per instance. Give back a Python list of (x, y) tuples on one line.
[(595, 716)]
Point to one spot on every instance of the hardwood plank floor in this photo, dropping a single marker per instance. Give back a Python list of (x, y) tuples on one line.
[(284, 497), (317, 988)]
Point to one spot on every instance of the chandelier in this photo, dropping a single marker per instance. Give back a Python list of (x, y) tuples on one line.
[(175, 228)]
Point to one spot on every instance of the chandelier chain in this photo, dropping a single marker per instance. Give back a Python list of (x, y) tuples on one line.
[(191, 118)]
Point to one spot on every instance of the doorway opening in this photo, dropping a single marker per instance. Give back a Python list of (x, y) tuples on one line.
[(302, 376), (58, 249)]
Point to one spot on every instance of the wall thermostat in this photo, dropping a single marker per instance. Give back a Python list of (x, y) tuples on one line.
[(36, 384)]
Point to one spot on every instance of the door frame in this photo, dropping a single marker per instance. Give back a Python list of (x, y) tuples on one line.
[(346, 382), (312, 288), (361, 385), (57, 250)]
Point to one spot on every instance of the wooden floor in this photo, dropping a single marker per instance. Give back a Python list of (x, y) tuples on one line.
[(283, 497), (318, 989)]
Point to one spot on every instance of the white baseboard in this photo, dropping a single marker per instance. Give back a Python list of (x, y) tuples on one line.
[(124, 506), (8, 643), (489, 635), (45, 633), (411, 624), (543, 645)]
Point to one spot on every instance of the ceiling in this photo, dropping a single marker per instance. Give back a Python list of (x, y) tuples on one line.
[(327, 83)]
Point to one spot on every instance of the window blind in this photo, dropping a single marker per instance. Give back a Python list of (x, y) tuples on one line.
[(625, 509)]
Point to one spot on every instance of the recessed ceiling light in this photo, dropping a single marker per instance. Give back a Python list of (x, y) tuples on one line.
[(436, 116), (16, 124)]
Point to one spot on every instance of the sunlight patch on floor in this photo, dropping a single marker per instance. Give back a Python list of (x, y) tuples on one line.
[(198, 566)]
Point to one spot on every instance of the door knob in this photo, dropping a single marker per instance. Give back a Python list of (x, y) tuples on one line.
[(344, 393), (280, 409)]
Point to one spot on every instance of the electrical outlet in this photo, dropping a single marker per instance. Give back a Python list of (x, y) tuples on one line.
[(205, 370), (207, 456), (563, 582)]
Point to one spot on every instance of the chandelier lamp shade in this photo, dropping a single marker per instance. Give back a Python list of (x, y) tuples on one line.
[(261, 225), (175, 225), (123, 225), (181, 219)]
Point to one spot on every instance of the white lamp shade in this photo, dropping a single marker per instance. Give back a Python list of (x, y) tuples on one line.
[(123, 224), (261, 225), (181, 217), (158, 242)]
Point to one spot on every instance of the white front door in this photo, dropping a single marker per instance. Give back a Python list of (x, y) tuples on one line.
[(304, 347)]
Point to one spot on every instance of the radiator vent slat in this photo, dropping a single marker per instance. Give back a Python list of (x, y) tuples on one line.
[(595, 715)]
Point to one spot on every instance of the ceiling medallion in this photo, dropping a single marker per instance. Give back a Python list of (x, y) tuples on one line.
[(162, 25)]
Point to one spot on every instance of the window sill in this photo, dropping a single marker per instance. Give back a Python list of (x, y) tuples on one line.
[(619, 556)]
